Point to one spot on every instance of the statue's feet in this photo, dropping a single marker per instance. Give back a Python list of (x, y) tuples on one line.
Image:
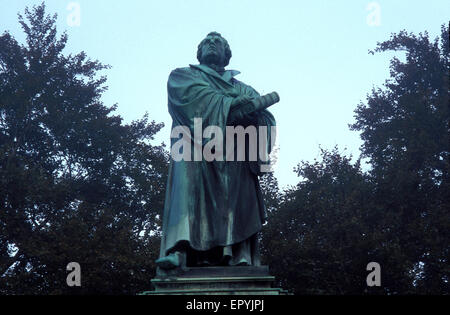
[(172, 261), (240, 263)]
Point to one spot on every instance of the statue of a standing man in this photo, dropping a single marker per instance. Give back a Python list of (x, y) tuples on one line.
[(213, 210)]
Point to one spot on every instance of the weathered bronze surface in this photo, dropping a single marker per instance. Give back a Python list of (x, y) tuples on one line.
[(213, 210)]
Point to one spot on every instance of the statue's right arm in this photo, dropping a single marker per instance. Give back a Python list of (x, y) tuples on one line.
[(244, 109)]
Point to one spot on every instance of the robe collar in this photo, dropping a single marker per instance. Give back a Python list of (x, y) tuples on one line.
[(227, 76)]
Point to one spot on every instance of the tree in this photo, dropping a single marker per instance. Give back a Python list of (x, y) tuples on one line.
[(322, 233), (405, 129), (321, 237), (76, 184), (271, 191)]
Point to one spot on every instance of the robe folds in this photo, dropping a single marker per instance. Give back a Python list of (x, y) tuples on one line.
[(210, 204)]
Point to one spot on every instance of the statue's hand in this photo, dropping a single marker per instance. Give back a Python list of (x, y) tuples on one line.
[(241, 100), (233, 93)]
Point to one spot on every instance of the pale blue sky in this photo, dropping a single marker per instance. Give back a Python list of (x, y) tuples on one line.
[(313, 53)]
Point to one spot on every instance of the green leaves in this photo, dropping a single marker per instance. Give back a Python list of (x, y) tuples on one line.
[(406, 132), (76, 184), (323, 232), (319, 230)]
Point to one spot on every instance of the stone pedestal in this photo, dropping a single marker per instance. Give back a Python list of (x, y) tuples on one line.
[(216, 281)]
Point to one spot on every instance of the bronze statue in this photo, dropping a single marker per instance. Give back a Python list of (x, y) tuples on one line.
[(213, 210)]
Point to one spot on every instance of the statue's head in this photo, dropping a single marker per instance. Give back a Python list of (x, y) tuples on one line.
[(214, 49)]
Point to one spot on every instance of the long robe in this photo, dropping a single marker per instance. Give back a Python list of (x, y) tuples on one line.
[(210, 204)]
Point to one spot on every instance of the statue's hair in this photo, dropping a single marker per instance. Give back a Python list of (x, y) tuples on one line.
[(227, 49)]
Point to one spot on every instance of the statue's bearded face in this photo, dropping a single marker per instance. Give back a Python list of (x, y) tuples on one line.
[(213, 50)]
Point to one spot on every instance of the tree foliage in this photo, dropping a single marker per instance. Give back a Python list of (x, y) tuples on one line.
[(405, 128), (321, 237), (79, 185), (326, 230), (76, 183)]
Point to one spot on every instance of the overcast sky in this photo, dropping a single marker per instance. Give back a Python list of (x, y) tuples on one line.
[(313, 53)]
